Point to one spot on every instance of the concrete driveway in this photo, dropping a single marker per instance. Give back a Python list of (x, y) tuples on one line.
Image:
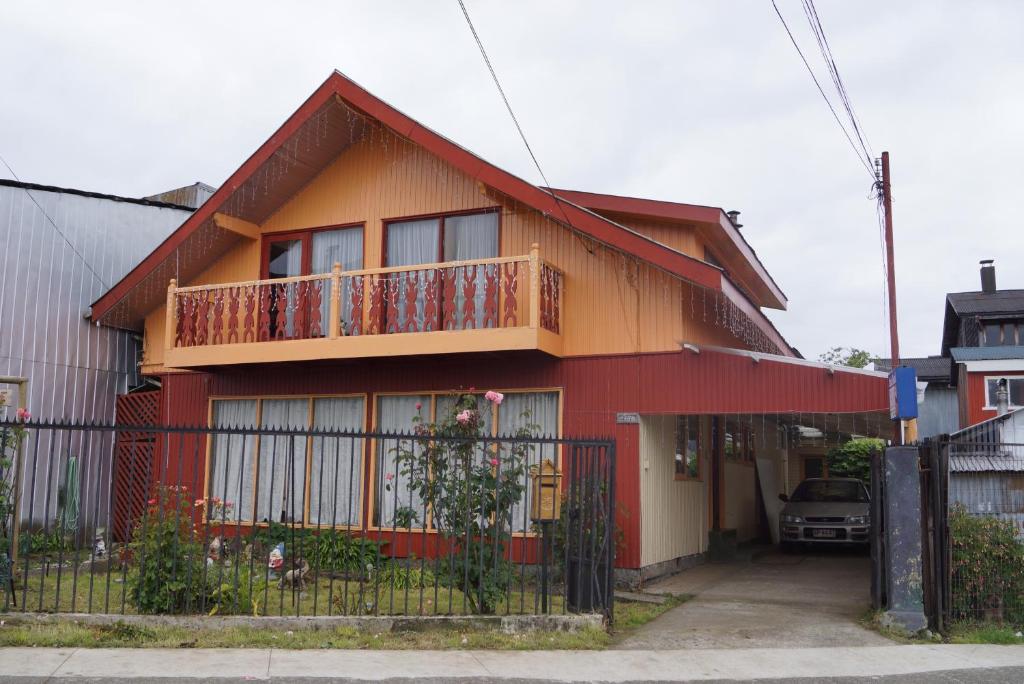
[(773, 601)]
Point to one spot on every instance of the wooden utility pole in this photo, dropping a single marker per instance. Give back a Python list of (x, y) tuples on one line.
[(901, 433), (890, 265)]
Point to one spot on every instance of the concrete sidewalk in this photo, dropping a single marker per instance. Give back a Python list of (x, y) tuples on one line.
[(845, 664)]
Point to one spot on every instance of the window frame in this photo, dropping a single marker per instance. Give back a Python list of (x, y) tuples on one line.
[(440, 216), (990, 404), (305, 236), (1013, 325), (434, 394), (685, 476), (258, 398)]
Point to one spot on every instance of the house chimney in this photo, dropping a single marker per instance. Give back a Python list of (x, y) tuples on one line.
[(734, 216), (1002, 397), (988, 276)]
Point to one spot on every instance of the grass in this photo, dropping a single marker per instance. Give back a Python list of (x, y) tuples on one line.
[(63, 592), (71, 634), (984, 634)]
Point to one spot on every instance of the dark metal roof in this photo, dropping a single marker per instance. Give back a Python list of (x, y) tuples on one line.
[(929, 368), (962, 354), (984, 303)]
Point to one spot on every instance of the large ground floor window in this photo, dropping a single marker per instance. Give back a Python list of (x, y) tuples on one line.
[(288, 478), (537, 411)]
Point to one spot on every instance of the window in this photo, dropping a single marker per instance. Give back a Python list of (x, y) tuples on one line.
[(310, 252), (687, 459), (1002, 333), (814, 467), (395, 414), (1014, 387), (288, 478), (463, 237), (739, 441)]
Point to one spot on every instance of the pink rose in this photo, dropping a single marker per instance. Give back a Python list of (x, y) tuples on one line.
[(419, 405), (389, 477), (495, 397), (23, 414), (464, 416), (152, 502), (494, 462), (200, 502)]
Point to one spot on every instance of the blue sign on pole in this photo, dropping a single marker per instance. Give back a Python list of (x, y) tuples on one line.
[(902, 393)]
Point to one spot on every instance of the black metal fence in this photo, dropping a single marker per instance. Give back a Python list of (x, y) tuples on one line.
[(167, 520)]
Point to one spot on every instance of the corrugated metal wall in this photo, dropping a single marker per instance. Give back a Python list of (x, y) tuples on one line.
[(674, 512), (75, 370), (939, 412)]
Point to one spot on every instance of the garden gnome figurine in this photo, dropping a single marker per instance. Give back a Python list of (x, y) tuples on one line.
[(276, 558), (214, 553), (99, 545)]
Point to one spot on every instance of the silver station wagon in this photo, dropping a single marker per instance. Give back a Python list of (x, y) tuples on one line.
[(825, 511)]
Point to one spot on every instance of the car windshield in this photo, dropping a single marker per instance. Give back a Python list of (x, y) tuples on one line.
[(839, 491)]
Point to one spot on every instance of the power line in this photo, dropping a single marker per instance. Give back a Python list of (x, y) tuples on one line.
[(56, 228), (864, 160), (508, 106)]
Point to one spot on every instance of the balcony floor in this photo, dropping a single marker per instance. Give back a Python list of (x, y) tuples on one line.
[(367, 346)]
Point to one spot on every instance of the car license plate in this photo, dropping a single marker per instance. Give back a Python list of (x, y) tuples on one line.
[(823, 533)]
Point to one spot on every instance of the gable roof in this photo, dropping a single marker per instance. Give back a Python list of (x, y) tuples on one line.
[(744, 263), (928, 368), (960, 305), (319, 130)]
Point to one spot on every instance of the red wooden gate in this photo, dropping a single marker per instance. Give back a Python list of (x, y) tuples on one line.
[(135, 457)]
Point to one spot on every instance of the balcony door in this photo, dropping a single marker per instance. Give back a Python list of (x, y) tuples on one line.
[(463, 237), (309, 252)]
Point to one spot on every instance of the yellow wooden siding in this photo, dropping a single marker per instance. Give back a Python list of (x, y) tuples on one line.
[(673, 520), (611, 303), (679, 236)]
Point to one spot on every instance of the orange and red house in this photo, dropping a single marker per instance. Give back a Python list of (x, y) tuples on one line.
[(359, 264)]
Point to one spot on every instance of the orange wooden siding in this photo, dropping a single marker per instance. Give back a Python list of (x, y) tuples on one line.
[(612, 303)]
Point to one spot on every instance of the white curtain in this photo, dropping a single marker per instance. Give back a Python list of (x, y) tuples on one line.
[(335, 476), (411, 243), (285, 261), (282, 469), (345, 247), (395, 414), (231, 456), (525, 409), (474, 236)]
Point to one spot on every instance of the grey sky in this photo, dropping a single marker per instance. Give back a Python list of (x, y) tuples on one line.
[(695, 102)]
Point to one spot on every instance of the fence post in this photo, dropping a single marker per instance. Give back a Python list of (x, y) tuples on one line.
[(903, 553), (334, 311), (877, 531)]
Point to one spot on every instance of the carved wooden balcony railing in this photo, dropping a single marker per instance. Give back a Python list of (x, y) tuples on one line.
[(504, 293)]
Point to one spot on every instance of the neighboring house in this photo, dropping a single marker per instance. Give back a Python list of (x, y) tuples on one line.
[(62, 249), (986, 468), (982, 343), (938, 403), (604, 315)]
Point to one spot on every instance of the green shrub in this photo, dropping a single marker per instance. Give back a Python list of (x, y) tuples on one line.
[(400, 576), (41, 542), (241, 595), (853, 458), (987, 568), (169, 561), (324, 550)]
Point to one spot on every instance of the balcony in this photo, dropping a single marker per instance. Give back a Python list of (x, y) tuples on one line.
[(485, 305)]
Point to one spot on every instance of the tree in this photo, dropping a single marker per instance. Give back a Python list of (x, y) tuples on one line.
[(846, 356), (853, 459)]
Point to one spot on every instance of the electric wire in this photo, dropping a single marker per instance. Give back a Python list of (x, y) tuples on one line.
[(508, 106), (55, 227), (865, 161)]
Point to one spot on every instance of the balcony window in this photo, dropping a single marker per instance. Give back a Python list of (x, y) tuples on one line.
[(462, 237), (303, 253), (1002, 333)]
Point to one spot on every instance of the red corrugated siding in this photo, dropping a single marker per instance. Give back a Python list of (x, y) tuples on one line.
[(974, 399), (594, 390)]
